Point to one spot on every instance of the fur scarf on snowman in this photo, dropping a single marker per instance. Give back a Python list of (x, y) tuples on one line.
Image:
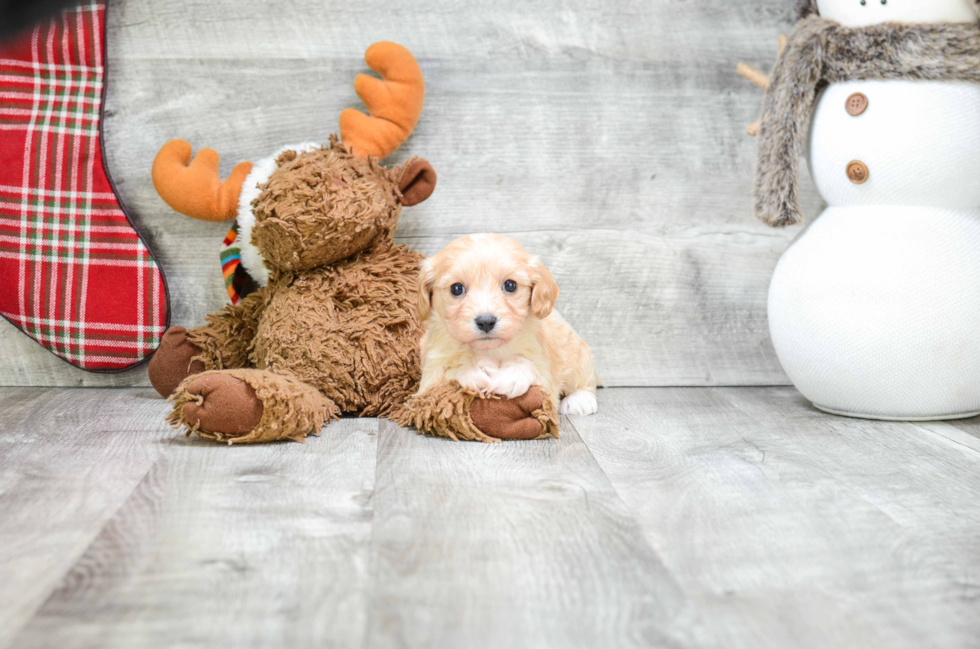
[(819, 52)]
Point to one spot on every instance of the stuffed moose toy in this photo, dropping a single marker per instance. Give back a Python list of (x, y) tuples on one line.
[(332, 328)]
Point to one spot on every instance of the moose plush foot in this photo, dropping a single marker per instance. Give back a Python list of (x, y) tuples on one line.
[(248, 405), (174, 361), (450, 411), (224, 404)]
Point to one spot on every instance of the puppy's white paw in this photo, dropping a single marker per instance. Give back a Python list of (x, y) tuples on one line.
[(513, 390), (512, 380), (581, 402), (476, 379)]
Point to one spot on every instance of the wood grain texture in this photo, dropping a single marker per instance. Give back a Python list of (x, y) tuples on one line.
[(522, 544), (69, 459), (676, 517), (608, 137), (792, 528), (262, 546)]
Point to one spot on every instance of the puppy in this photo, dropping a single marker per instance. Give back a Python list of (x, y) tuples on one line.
[(490, 321)]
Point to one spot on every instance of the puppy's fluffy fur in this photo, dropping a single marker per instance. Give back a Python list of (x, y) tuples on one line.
[(529, 343)]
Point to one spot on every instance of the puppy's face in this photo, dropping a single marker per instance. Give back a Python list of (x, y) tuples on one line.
[(483, 287)]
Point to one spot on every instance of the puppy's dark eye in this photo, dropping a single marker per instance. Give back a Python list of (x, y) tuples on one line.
[(457, 289), (510, 286)]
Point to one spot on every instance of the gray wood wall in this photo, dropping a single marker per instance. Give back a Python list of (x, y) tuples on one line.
[(606, 136)]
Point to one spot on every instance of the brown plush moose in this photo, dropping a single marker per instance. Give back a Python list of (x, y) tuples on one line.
[(334, 329)]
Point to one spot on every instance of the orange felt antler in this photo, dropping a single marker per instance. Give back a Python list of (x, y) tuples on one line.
[(394, 101), (196, 189)]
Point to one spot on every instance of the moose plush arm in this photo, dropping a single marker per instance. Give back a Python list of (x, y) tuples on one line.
[(226, 338), (223, 343), (450, 411)]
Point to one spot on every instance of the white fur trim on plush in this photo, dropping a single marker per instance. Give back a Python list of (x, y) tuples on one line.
[(252, 260)]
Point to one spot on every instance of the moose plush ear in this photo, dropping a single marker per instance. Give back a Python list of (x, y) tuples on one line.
[(417, 183), (427, 277), (544, 290)]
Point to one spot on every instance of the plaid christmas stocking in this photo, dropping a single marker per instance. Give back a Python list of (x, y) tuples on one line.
[(74, 274)]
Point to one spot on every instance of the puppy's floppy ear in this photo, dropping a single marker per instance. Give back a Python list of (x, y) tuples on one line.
[(427, 277), (544, 291), (417, 183)]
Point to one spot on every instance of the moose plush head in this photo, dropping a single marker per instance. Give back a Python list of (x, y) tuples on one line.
[(327, 204), (308, 205)]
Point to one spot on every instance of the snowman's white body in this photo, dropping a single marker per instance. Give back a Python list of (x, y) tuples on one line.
[(875, 309)]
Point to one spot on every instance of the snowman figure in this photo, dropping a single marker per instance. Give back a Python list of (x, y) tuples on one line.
[(874, 310)]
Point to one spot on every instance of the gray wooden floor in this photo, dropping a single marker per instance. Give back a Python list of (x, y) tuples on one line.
[(685, 517)]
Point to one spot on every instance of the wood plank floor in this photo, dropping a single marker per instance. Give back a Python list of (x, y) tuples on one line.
[(681, 517)]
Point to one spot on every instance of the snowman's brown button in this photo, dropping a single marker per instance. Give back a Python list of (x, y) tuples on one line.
[(856, 104), (857, 172)]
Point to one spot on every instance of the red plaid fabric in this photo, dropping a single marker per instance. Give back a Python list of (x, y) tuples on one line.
[(74, 274)]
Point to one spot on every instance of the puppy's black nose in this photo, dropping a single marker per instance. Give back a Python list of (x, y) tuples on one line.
[(485, 322)]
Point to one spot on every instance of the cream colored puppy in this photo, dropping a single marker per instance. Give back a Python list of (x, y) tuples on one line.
[(488, 308)]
